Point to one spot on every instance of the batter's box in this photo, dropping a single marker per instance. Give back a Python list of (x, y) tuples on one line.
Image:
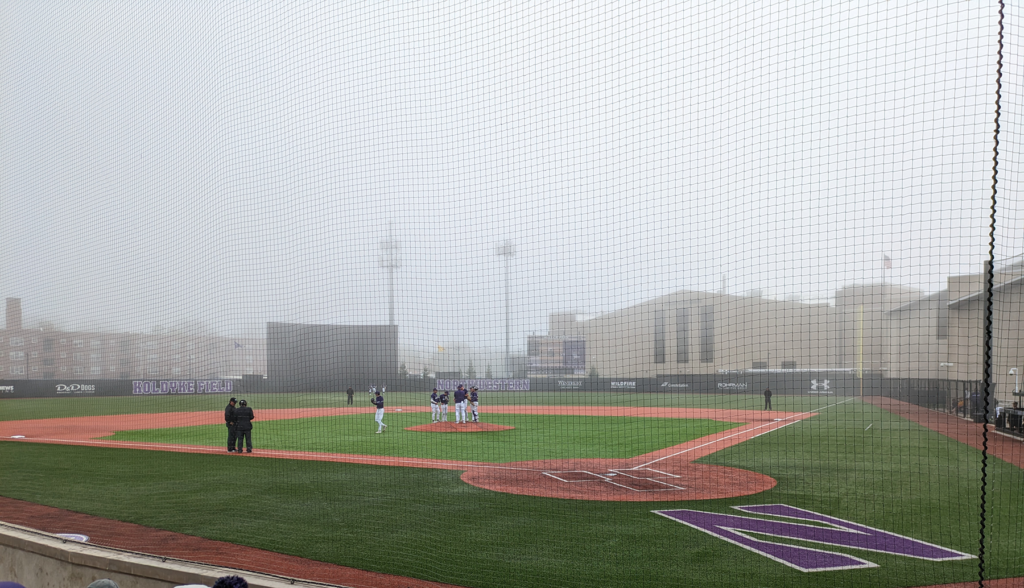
[(575, 476), (645, 473), (643, 480), (642, 484)]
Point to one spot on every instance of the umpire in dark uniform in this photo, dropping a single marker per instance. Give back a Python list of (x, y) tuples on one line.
[(243, 419), (229, 420)]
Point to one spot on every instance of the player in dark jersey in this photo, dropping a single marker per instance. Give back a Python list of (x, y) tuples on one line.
[(443, 400), (378, 401), (460, 404), (474, 401), (435, 410)]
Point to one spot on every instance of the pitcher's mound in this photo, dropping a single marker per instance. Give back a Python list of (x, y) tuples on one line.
[(459, 428)]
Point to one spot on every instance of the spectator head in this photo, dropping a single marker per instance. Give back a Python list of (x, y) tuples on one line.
[(103, 583), (231, 582), (232, 401)]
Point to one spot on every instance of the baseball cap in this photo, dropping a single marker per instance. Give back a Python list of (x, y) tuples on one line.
[(232, 400)]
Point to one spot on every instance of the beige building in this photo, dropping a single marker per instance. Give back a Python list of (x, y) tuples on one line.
[(689, 332), (942, 336), (919, 338)]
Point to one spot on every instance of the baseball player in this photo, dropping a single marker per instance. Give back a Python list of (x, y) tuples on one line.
[(435, 410), (474, 400), (443, 400), (460, 404), (378, 401)]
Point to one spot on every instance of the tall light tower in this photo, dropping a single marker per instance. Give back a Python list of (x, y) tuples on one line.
[(390, 259), (508, 251)]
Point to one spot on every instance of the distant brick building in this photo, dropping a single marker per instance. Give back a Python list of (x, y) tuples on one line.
[(41, 354)]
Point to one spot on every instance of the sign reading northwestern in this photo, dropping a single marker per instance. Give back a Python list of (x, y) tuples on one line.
[(838, 533), (181, 386), (486, 384)]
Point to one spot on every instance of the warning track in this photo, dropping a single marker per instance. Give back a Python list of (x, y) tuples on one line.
[(664, 475)]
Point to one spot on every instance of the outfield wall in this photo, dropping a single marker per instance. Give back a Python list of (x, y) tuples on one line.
[(923, 392), (86, 388)]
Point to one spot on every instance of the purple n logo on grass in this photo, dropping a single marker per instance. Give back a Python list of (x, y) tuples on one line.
[(733, 529)]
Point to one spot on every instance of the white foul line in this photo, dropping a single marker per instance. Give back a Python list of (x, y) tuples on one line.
[(746, 431)]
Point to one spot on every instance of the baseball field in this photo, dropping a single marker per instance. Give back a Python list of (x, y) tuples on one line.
[(551, 489)]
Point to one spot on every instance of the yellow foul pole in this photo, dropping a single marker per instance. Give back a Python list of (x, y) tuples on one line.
[(860, 347)]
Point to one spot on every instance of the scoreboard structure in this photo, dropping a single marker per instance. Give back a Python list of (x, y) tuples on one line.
[(330, 358)]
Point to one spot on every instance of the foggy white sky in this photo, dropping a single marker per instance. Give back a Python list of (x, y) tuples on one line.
[(227, 165)]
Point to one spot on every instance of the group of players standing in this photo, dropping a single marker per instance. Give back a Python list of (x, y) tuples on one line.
[(463, 400)]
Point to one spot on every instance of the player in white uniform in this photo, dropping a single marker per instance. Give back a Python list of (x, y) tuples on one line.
[(443, 401), (378, 401), (474, 401), (435, 409), (460, 404)]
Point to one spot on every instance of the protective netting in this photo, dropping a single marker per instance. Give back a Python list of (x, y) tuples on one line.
[(624, 223)]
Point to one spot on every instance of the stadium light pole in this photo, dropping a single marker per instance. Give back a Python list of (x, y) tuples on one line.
[(508, 251), (390, 259)]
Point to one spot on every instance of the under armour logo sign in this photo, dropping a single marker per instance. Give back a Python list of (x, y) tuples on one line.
[(815, 384)]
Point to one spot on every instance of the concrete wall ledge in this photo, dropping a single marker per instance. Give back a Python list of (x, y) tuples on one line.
[(41, 560)]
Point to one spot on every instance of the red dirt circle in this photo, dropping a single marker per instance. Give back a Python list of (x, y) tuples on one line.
[(458, 428), (618, 480)]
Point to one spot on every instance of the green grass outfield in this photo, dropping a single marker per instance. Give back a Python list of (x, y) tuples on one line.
[(534, 436), (853, 461)]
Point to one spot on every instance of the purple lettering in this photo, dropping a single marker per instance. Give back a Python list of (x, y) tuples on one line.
[(137, 387), (733, 528)]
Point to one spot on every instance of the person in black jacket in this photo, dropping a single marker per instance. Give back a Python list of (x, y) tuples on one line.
[(229, 420), (243, 425), (767, 399)]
